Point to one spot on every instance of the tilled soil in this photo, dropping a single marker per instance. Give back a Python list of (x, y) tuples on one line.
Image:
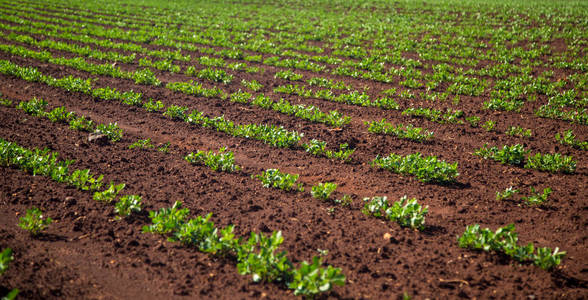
[(86, 253)]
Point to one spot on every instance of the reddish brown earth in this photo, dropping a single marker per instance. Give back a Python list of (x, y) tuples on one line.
[(86, 253)]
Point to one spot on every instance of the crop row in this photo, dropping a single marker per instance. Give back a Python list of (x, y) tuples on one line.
[(145, 76), (257, 255), (573, 112)]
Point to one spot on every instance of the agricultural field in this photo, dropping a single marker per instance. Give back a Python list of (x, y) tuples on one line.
[(293, 149)]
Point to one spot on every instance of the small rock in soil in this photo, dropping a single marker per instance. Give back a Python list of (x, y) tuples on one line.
[(98, 138)]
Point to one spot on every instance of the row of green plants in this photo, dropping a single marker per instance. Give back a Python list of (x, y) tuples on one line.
[(37, 107), (141, 76), (270, 134), (406, 212), (6, 258), (307, 112), (504, 240), (46, 163), (409, 132), (222, 161), (516, 155), (312, 113), (72, 48), (424, 168), (535, 198), (352, 98), (319, 148), (258, 255), (569, 138)]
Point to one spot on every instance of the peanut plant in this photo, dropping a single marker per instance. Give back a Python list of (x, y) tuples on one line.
[(504, 240), (318, 148), (506, 194), (513, 155), (257, 256), (409, 132), (276, 179), (323, 191), (127, 204), (551, 163), (34, 222), (569, 138), (426, 169), (537, 198), (109, 194), (221, 161), (6, 258), (406, 212)]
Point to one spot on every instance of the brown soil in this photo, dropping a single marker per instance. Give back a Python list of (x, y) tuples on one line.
[(86, 253)]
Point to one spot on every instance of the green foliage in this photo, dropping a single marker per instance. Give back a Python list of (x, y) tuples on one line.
[(275, 178), (506, 194), (176, 112), (127, 204), (81, 124), (107, 94), (504, 240), (513, 155), (167, 220), (409, 132), (502, 104), (109, 194), (569, 138), (200, 232), (84, 180), (252, 85), (551, 163), (215, 75), (537, 198), (112, 131), (34, 222), (489, 125), (518, 131), (5, 102), (323, 191), (386, 103), (60, 114), (310, 279), (221, 161), (262, 101), (34, 107), (71, 84), (164, 65), (36, 162), (131, 98), (473, 120), (153, 106), (240, 97), (426, 169), (318, 148), (5, 259), (145, 76), (258, 257), (312, 113), (344, 201), (142, 144), (406, 212), (196, 89), (164, 148), (288, 75), (450, 116)]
